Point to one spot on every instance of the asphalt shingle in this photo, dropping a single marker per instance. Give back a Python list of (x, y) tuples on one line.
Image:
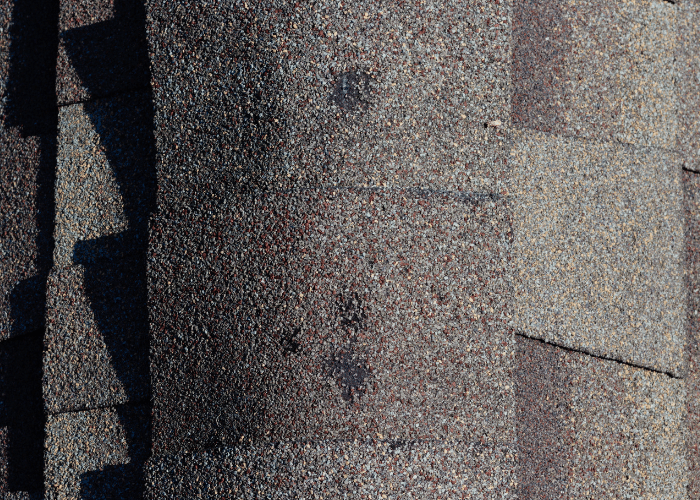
[(105, 179), (688, 85), (277, 96), (95, 454), (102, 49), (338, 469), (331, 314), (591, 428), (598, 248), (691, 188), (598, 69), (96, 340), (25, 230)]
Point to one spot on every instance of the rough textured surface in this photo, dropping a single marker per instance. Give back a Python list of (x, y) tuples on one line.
[(25, 222), (592, 428), (96, 342), (77, 13), (299, 94), (102, 49), (105, 179), (338, 314), (691, 188), (598, 248), (597, 69), (688, 83), (372, 468), (95, 454)]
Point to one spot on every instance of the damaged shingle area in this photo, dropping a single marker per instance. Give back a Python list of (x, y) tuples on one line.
[(349, 372), (351, 90)]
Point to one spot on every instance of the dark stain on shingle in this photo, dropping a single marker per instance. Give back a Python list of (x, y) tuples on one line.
[(350, 91), (349, 372)]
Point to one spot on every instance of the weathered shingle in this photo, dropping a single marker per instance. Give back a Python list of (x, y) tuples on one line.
[(598, 252)]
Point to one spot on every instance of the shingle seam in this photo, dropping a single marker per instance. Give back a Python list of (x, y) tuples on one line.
[(20, 335), (598, 356), (105, 96), (393, 444), (575, 137)]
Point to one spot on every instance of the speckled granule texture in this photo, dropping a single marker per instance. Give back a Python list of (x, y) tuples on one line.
[(331, 314), (593, 428), (102, 49), (598, 69), (5, 39), (96, 342), (22, 162), (688, 83), (691, 186), (78, 13), (95, 454), (277, 95), (329, 261), (338, 469), (104, 178), (598, 248)]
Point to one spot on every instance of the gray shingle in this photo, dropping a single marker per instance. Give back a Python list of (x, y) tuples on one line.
[(102, 49), (331, 314), (25, 218), (597, 69), (281, 96), (95, 454), (338, 469), (593, 428), (96, 341), (598, 248)]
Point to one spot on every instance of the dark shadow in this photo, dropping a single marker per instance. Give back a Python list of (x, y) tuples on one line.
[(111, 58), (31, 85), (114, 482), (28, 297), (21, 411), (122, 481), (30, 107)]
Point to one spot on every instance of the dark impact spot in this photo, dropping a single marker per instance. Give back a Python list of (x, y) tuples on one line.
[(289, 344), (351, 90), (352, 315), (349, 372)]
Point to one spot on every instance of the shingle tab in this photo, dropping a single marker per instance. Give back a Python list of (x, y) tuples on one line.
[(105, 179), (318, 95), (95, 454), (598, 248), (102, 49), (339, 314), (688, 85), (338, 469), (25, 230), (598, 69), (96, 341), (691, 188), (593, 428)]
